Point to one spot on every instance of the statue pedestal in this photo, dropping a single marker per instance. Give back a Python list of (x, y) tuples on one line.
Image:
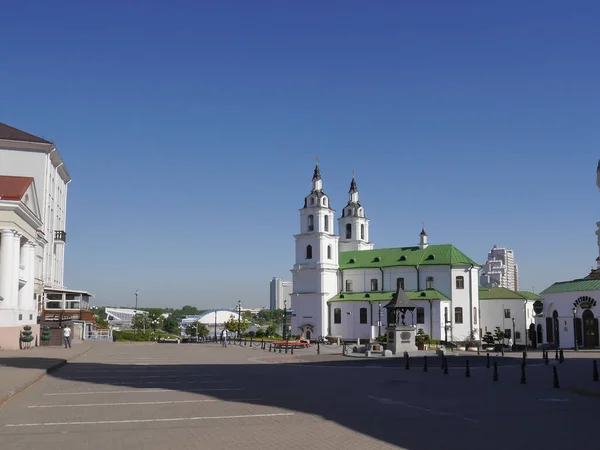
[(401, 338)]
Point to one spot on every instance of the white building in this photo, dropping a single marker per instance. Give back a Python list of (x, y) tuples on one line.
[(500, 270), (341, 293), (280, 290), (569, 310), (510, 311), (214, 320), (19, 225), (25, 155)]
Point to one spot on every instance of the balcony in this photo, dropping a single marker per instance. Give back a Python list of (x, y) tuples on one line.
[(60, 236)]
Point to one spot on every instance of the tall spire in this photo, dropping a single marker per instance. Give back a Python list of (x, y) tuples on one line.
[(317, 173), (353, 187)]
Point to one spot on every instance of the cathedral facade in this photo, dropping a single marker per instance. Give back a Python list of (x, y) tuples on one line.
[(342, 283)]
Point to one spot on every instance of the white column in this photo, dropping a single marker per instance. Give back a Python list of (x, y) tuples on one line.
[(6, 267), (31, 279), (16, 272), (26, 292)]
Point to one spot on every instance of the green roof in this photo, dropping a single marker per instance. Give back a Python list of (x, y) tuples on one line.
[(432, 255), (501, 293), (582, 284), (529, 295), (429, 294)]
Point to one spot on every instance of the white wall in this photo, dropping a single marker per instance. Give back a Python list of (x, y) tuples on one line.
[(43, 163), (563, 303), (492, 316)]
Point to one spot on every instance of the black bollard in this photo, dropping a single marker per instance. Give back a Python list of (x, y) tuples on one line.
[(270, 348), (525, 358), (502, 348), (292, 349), (546, 359), (523, 377), (468, 370), (487, 361), (495, 378), (318, 347), (556, 354), (595, 372), (407, 366), (561, 358), (280, 349), (251, 342), (425, 363), (443, 358), (286, 349), (445, 366), (478, 349), (555, 371)]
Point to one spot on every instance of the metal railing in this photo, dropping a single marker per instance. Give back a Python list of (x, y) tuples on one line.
[(100, 335)]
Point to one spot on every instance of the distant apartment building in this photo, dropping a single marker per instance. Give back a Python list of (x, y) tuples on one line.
[(500, 270), (280, 291)]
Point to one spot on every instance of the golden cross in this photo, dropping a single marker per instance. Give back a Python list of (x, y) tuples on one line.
[(352, 173), (317, 159)]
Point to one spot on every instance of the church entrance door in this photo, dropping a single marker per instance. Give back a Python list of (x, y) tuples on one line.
[(590, 329)]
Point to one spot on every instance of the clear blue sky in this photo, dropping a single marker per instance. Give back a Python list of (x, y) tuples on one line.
[(190, 130)]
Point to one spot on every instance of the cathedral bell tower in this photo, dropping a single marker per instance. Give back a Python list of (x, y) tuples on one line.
[(315, 273), (354, 226)]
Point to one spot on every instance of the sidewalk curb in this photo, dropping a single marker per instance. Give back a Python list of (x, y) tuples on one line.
[(43, 372)]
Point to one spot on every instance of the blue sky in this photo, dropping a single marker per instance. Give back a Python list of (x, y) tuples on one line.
[(190, 130)]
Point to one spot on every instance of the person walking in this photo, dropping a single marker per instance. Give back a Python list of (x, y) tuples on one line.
[(67, 336), (224, 337)]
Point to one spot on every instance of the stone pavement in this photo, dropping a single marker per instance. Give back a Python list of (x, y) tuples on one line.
[(201, 396), (19, 369)]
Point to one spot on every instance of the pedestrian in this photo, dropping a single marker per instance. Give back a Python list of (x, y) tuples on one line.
[(67, 336), (224, 337)]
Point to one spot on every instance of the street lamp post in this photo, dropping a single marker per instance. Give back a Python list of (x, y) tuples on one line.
[(379, 319), (575, 347), (239, 319), (514, 346), (135, 313), (284, 319), (215, 325)]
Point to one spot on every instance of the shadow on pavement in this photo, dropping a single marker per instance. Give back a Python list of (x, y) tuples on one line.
[(342, 395)]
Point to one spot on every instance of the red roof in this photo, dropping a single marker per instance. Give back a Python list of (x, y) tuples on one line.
[(14, 188), (14, 134)]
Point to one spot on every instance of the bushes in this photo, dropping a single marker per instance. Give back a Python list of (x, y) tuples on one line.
[(140, 336)]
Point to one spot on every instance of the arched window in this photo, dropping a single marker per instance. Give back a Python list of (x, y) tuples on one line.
[(400, 283), (420, 315), (348, 285), (374, 284), (326, 223), (458, 315), (348, 231), (311, 222), (309, 252), (363, 315), (362, 231), (460, 282), (429, 284), (312, 201), (329, 252), (474, 316), (324, 201), (337, 315)]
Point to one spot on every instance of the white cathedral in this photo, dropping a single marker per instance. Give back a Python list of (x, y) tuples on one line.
[(342, 284)]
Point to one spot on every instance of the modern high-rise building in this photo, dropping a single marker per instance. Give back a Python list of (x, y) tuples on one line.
[(500, 270), (280, 291)]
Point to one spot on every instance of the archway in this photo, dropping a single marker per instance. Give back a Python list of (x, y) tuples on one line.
[(556, 328), (308, 334), (540, 334), (532, 336), (590, 329)]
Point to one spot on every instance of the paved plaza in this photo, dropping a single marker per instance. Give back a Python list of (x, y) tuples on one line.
[(201, 396)]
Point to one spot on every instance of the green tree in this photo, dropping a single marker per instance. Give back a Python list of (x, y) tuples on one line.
[(271, 330), (488, 338), (499, 335), (170, 325), (203, 330), (233, 323)]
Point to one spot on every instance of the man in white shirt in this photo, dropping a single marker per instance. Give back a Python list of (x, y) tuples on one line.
[(224, 337), (67, 336)]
